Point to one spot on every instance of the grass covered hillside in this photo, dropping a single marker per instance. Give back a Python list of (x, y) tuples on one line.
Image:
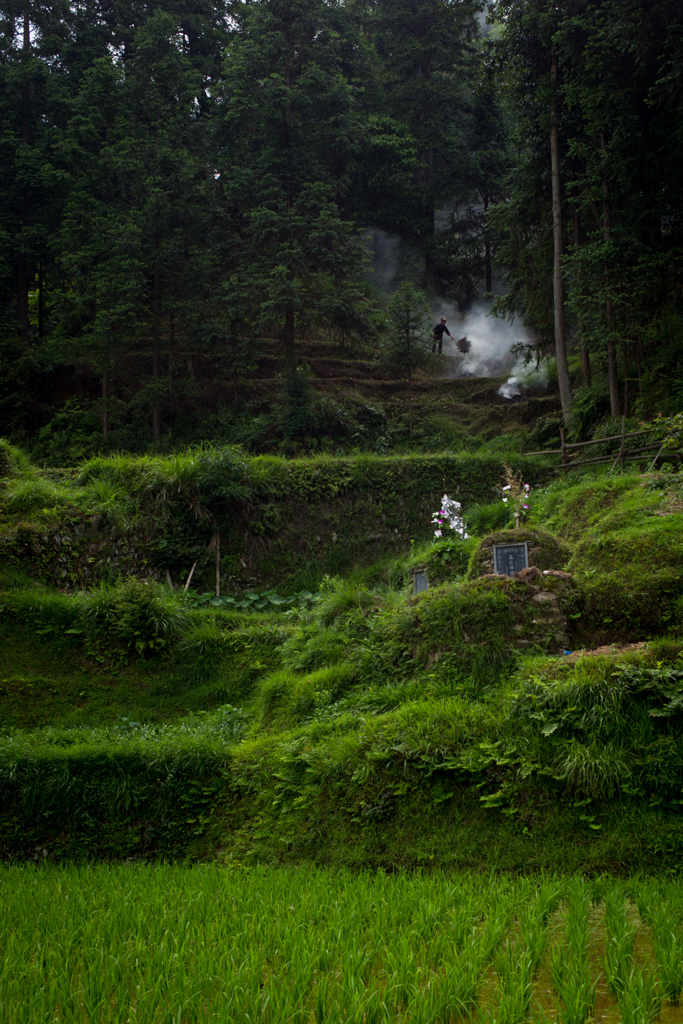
[(333, 715)]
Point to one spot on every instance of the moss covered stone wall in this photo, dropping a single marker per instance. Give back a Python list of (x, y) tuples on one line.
[(281, 522)]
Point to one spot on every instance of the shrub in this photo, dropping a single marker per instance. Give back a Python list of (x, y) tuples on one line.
[(12, 460), (43, 610), (137, 615), (447, 559), (26, 495), (340, 598), (285, 699), (483, 519), (299, 419)]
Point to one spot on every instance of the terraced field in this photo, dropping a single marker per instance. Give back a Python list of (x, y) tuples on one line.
[(165, 944)]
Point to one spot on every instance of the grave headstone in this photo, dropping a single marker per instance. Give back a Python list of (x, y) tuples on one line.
[(420, 583), (510, 558)]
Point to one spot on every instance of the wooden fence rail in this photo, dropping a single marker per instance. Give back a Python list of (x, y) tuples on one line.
[(623, 455), (586, 444)]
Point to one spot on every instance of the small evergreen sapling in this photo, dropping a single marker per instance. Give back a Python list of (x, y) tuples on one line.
[(409, 339)]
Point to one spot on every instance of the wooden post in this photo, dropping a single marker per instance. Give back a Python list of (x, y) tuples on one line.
[(620, 456), (217, 554), (623, 426), (563, 451), (652, 464), (189, 578)]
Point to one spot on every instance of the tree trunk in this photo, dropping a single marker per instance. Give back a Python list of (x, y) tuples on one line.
[(410, 403), (558, 283), (487, 250), (427, 178), (585, 355), (612, 372), (156, 338), (636, 350), (613, 377), (23, 286), (430, 274), (171, 351), (23, 276), (625, 358), (288, 338), (41, 304)]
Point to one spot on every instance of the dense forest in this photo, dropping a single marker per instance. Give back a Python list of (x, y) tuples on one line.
[(181, 181)]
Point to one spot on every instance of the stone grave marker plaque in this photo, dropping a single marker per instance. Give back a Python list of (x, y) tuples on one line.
[(420, 583), (510, 558)]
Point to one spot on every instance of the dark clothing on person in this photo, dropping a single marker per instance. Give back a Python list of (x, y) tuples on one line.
[(438, 334)]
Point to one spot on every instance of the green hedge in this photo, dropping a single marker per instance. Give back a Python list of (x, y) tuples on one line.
[(282, 522), (587, 736)]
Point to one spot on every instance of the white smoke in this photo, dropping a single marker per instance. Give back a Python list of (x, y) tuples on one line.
[(384, 249), (490, 340), (524, 378)]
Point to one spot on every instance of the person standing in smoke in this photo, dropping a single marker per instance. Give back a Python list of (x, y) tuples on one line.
[(438, 333)]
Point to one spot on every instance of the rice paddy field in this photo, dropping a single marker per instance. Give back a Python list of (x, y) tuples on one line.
[(172, 944)]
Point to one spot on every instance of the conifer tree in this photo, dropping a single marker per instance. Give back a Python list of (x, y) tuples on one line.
[(286, 130), (427, 53)]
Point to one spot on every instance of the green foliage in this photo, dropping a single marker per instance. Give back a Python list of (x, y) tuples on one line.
[(202, 641), (167, 511), (284, 700), (339, 600), (365, 708), (196, 479), (12, 460), (598, 728), (418, 944), (43, 611), (484, 519), (447, 559), (621, 279), (33, 494), (298, 415), (268, 600), (136, 615), (409, 336), (625, 531)]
